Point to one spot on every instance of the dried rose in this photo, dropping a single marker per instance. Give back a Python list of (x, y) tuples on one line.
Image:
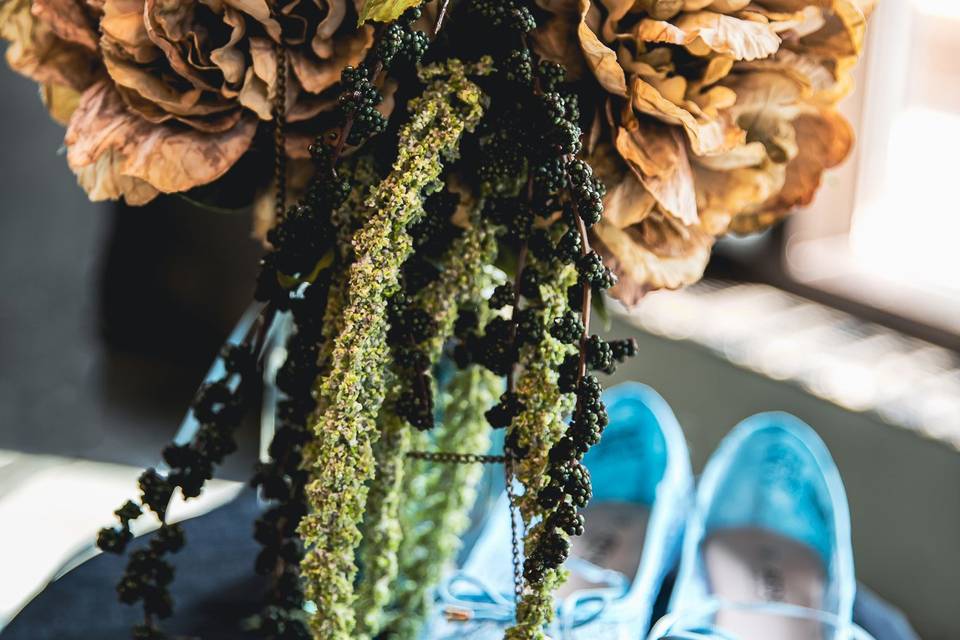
[(161, 96), (720, 117)]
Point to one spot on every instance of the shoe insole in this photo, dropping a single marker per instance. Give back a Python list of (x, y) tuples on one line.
[(613, 534), (753, 565)]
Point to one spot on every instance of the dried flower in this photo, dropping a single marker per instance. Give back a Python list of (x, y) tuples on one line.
[(161, 97), (718, 116)]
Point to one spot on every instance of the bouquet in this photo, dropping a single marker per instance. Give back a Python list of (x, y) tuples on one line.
[(451, 186)]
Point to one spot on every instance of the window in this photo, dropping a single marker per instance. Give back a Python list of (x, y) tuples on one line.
[(884, 231)]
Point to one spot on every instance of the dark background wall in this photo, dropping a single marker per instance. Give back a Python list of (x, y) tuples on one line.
[(108, 316)]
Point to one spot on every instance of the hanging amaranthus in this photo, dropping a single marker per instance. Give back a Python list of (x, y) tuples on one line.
[(459, 281), (342, 462), (533, 431), (438, 516)]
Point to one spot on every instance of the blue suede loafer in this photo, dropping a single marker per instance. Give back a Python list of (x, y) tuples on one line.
[(642, 483), (766, 552)]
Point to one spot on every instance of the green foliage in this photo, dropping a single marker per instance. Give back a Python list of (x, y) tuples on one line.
[(460, 281), (385, 10), (538, 427), (342, 462), (436, 514)]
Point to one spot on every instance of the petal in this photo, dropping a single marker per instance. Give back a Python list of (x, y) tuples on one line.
[(153, 88), (655, 254), (61, 101), (115, 153), (601, 59), (843, 32), (706, 136), (259, 10), (658, 157), (38, 53), (102, 180), (822, 80), (724, 195), (124, 31), (824, 141), (706, 31), (746, 155), (551, 41), (316, 74), (229, 58), (68, 19)]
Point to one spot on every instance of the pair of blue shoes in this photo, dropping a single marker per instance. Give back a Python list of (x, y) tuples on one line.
[(763, 543)]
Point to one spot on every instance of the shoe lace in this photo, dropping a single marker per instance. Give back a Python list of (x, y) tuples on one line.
[(463, 597), (688, 624)]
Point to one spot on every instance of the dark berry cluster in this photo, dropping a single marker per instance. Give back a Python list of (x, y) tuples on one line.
[(219, 407), (496, 348), (587, 191), (568, 328), (591, 271), (410, 325), (281, 481), (358, 100), (569, 486), (551, 74), (434, 232), (518, 66), (501, 157), (502, 414), (303, 241), (400, 42), (505, 14), (148, 575)]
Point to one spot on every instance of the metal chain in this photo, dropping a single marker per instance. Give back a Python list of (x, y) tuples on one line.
[(279, 133), (456, 458), (514, 534), (507, 461)]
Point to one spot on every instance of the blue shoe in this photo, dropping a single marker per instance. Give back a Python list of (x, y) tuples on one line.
[(766, 553), (642, 483)]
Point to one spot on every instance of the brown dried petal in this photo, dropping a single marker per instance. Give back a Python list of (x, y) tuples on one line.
[(552, 37), (824, 141), (724, 195), (117, 154), (655, 254), (319, 74), (153, 89), (601, 59), (658, 157), (229, 58), (38, 53), (124, 32), (844, 31), (704, 32), (61, 101), (69, 20), (706, 136)]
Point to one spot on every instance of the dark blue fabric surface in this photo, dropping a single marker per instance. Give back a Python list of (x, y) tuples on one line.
[(215, 589)]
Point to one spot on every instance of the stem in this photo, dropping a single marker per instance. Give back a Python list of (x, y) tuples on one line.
[(378, 77), (521, 265), (586, 300), (440, 17)]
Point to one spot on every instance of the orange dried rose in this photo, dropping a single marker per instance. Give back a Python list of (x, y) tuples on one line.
[(720, 118), (161, 96)]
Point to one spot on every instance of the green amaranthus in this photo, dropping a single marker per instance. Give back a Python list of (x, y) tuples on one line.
[(539, 426), (434, 522), (342, 464), (460, 281)]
